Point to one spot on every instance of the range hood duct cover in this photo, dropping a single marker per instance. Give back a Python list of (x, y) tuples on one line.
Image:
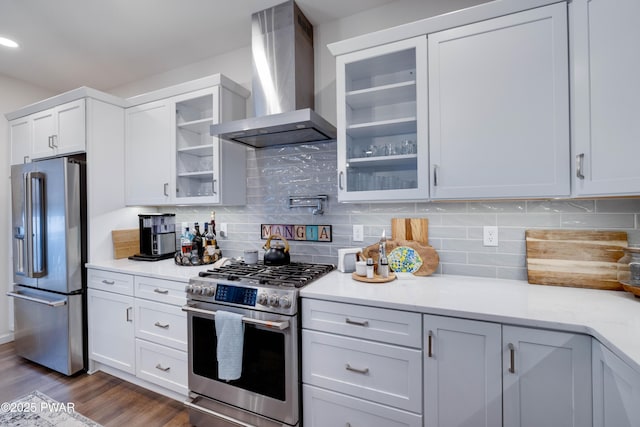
[(282, 83)]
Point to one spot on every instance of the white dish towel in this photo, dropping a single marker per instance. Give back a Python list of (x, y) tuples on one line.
[(230, 334)]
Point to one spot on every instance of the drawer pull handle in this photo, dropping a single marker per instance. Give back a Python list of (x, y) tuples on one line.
[(364, 371), (579, 166), (108, 282), (128, 312), (430, 346), (159, 366), (160, 325), (512, 351), (355, 322), (161, 291)]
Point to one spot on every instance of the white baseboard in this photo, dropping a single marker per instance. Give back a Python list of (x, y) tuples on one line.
[(8, 337)]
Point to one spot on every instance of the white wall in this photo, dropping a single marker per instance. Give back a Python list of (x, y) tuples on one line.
[(237, 64), (15, 94)]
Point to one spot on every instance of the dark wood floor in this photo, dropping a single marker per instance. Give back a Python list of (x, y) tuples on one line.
[(101, 397)]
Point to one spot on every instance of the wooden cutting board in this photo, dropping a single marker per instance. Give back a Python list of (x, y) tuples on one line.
[(429, 256), (125, 243), (410, 229), (576, 258)]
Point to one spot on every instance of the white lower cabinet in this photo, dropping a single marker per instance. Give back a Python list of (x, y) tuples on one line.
[(546, 378), (616, 390), (136, 325), (335, 409), (161, 365), (462, 373), (111, 331), (354, 372)]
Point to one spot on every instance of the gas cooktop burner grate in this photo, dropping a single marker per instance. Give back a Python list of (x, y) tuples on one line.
[(295, 274)]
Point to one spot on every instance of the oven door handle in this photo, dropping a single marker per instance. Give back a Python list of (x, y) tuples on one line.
[(281, 326), (192, 405)]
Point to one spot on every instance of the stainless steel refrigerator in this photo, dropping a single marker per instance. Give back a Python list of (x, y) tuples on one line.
[(48, 254)]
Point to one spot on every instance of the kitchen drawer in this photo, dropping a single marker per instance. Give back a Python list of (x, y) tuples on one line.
[(326, 408), (161, 323), (379, 372), (161, 290), (378, 324), (110, 281), (161, 365)]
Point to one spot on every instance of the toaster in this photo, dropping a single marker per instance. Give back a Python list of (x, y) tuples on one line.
[(347, 259)]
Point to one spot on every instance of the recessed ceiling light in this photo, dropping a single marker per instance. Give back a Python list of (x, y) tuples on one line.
[(7, 42)]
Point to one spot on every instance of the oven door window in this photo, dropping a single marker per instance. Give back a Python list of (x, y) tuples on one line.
[(263, 358)]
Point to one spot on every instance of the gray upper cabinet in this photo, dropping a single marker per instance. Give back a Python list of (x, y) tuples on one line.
[(606, 116), (499, 107)]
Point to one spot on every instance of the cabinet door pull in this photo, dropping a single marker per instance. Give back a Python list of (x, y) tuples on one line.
[(128, 311), (213, 186), (161, 291), (364, 371), (160, 325), (166, 189), (430, 344), (54, 138), (159, 366), (579, 165), (435, 175), (364, 323), (108, 282), (25, 159), (50, 141), (512, 351), (340, 175)]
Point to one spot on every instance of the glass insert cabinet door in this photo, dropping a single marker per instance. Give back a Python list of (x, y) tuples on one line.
[(382, 122)]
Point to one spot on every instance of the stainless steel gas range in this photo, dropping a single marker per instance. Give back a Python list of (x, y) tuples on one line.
[(267, 394)]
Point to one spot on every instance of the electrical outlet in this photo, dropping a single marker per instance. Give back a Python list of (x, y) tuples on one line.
[(490, 236), (358, 233), (223, 229)]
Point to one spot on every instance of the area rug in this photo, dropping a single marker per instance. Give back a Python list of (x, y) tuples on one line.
[(39, 410)]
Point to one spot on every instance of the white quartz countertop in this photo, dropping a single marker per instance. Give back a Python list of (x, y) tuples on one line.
[(612, 317), (165, 269)]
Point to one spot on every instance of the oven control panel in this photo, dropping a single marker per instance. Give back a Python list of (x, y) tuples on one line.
[(256, 297)]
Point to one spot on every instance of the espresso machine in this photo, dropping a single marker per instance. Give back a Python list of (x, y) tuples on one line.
[(157, 236)]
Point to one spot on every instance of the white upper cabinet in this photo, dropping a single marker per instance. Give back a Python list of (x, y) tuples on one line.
[(171, 158), (20, 136), (59, 130), (148, 153), (382, 123), (499, 107), (606, 115)]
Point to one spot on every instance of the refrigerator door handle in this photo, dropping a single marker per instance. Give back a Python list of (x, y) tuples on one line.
[(58, 303), (35, 218)]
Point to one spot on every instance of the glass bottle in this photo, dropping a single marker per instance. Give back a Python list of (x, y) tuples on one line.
[(185, 242), (198, 246)]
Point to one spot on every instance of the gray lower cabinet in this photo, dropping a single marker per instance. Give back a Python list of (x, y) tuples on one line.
[(462, 373), (546, 378), (616, 390), (361, 366)]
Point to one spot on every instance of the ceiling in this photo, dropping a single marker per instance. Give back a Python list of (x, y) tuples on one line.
[(104, 44)]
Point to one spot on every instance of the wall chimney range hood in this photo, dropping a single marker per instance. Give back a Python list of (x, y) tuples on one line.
[(282, 84)]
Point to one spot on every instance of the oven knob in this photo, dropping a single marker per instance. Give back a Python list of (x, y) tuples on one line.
[(208, 291), (188, 289), (284, 302), (197, 289), (273, 300), (263, 299)]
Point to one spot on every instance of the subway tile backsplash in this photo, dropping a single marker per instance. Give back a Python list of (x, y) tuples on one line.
[(455, 228)]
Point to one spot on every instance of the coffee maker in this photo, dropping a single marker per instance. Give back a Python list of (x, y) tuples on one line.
[(157, 236)]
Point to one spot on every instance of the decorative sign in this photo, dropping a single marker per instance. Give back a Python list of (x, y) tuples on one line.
[(309, 233)]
